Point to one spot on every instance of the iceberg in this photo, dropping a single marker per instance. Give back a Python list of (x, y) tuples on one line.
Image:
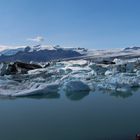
[(75, 86), (75, 76)]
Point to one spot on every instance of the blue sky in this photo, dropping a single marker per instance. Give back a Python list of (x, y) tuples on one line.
[(77, 23)]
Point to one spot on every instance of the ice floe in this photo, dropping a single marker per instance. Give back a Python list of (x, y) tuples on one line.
[(72, 77)]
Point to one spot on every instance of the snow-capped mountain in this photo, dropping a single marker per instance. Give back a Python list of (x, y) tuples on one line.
[(15, 49), (11, 51), (38, 53), (132, 48)]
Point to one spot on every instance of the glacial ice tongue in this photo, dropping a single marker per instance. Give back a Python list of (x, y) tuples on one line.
[(72, 76)]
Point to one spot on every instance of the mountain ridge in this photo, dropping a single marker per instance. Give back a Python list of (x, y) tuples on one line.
[(37, 54)]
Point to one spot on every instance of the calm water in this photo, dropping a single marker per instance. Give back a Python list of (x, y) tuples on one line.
[(81, 116)]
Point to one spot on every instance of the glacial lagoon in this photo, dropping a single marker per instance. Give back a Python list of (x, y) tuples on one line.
[(74, 100)]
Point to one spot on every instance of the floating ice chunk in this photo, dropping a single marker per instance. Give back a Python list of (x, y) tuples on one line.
[(108, 72), (99, 68), (130, 67), (76, 86), (118, 61), (39, 80), (90, 74), (129, 79), (52, 88), (120, 82), (106, 86), (36, 71), (3, 68), (119, 68), (114, 87), (39, 90), (79, 69), (138, 72), (64, 71), (1, 65), (125, 65), (124, 88)]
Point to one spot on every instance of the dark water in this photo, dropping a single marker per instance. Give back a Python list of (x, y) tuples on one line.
[(81, 116)]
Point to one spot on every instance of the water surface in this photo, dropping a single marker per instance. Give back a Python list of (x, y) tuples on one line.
[(81, 116)]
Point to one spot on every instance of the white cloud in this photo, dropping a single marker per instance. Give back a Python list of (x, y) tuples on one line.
[(36, 39)]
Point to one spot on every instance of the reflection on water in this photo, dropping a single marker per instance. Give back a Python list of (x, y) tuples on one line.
[(118, 94), (45, 96), (36, 96), (77, 95), (55, 116), (121, 94), (124, 94)]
